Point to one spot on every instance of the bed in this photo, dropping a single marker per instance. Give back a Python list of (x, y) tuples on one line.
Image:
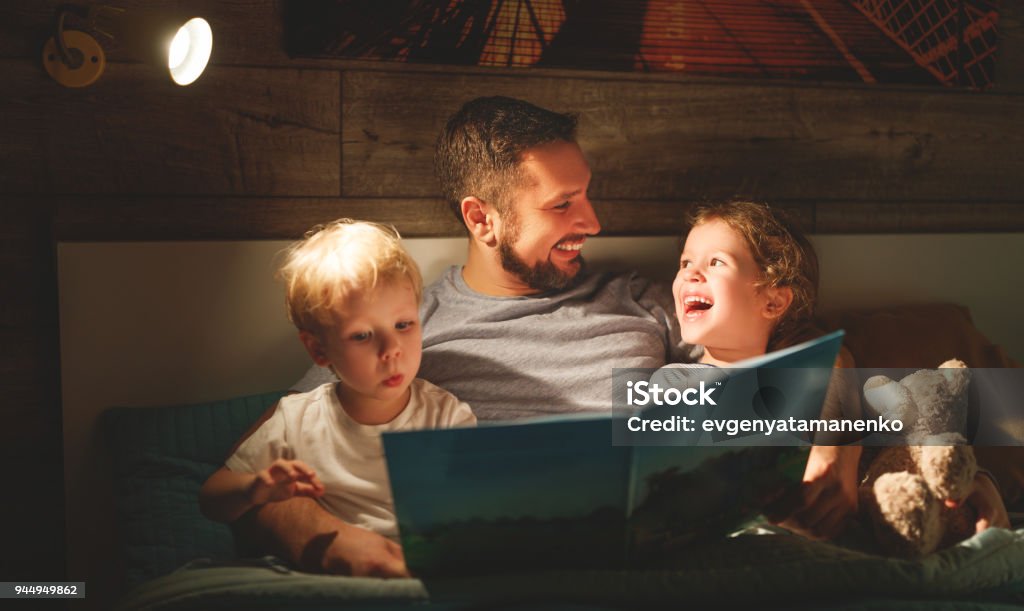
[(176, 559)]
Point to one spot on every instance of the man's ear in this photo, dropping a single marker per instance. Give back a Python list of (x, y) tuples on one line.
[(315, 348), (479, 217), (778, 301)]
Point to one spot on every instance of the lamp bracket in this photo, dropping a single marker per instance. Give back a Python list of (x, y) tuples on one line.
[(81, 47)]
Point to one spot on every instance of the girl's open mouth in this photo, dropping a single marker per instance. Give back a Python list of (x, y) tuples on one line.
[(695, 305)]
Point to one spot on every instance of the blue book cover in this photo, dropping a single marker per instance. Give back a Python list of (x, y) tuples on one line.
[(560, 493)]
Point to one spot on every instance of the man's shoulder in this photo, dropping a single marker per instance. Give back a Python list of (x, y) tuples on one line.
[(438, 292), (623, 285), (438, 406), (431, 394), (443, 284)]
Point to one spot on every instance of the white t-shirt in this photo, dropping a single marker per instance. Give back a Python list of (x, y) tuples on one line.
[(347, 456)]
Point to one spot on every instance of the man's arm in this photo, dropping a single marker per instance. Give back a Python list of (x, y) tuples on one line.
[(306, 535)]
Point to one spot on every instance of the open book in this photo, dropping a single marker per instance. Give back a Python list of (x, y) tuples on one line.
[(558, 493)]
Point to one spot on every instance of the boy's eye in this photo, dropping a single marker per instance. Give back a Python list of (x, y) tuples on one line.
[(685, 263), (716, 262), (360, 337), (562, 206), (403, 325)]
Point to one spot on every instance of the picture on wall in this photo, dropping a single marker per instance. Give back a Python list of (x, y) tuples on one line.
[(942, 42)]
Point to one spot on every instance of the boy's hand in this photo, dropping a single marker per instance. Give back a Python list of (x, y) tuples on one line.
[(284, 479), (362, 553), (826, 499)]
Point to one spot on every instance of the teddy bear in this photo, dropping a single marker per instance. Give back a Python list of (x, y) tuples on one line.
[(913, 493)]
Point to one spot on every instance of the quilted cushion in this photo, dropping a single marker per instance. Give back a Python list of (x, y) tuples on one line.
[(161, 458)]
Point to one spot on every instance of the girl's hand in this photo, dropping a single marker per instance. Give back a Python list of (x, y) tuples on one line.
[(827, 498), (987, 504)]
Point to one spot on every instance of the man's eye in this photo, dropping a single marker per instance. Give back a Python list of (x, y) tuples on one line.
[(405, 324), (359, 337)]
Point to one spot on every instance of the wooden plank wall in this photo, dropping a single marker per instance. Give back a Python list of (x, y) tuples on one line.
[(263, 146)]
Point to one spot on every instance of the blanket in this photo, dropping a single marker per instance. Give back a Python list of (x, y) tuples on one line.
[(986, 571)]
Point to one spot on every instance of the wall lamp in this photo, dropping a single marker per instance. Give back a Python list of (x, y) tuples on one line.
[(74, 58)]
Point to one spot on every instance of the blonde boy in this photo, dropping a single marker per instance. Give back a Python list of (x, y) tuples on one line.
[(353, 293)]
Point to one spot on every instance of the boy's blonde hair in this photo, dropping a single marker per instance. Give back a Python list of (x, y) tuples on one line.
[(784, 257), (339, 259)]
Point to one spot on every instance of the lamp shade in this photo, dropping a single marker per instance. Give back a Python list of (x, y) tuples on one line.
[(179, 45)]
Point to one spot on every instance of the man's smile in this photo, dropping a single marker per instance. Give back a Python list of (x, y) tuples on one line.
[(570, 246)]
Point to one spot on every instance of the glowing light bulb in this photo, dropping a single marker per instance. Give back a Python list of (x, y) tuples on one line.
[(190, 51), (179, 49)]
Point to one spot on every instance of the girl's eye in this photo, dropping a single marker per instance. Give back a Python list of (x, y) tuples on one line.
[(405, 324), (359, 337), (716, 262), (685, 263)]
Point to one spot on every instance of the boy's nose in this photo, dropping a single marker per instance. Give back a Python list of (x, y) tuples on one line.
[(389, 348)]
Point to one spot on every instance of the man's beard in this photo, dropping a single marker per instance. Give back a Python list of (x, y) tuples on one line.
[(543, 276)]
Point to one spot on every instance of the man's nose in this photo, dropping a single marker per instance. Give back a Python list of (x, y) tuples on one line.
[(586, 219)]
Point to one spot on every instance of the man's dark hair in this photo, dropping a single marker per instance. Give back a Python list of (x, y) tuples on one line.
[(478, 152)]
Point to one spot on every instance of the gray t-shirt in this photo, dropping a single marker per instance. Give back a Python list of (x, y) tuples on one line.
[(546, 354)]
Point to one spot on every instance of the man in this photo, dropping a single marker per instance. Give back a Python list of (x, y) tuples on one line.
[(523, 329)]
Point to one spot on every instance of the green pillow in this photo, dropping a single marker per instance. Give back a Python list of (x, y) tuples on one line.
[(161, 457)]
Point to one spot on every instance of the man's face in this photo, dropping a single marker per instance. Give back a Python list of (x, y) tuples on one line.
[(549, 217)]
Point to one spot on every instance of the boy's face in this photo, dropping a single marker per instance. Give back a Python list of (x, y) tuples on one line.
[(717, 300), (540, 240), (374, 347)]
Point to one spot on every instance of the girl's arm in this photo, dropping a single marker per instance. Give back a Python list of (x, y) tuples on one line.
[(827, 499)]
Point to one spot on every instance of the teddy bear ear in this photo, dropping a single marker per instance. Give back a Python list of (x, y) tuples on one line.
[(887, 398), (876, 382), (957, 375)]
